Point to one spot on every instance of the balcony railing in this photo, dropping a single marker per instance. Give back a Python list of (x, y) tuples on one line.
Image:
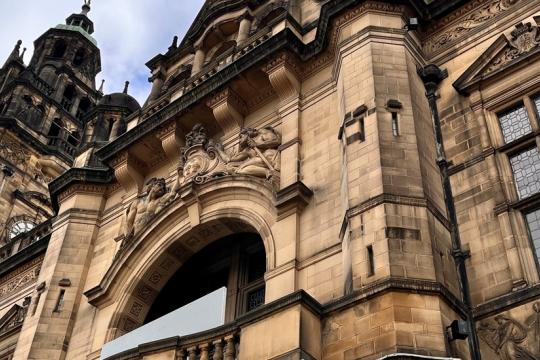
[(23, 241), (58, 143), (223, 347), (223, 342)]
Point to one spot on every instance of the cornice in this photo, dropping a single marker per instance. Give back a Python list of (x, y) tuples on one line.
[(83, 176), (285, 40)]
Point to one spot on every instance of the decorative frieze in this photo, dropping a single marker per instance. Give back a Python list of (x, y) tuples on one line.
[(23, 276), (470, 17)]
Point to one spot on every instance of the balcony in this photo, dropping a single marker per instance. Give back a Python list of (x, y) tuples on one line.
[(288, 327), (62, 146)]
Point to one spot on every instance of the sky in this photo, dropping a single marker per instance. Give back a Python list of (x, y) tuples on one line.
[(128, 32)]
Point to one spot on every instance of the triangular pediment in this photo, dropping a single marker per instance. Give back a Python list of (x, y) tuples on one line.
[(505, 53), (12, 319)]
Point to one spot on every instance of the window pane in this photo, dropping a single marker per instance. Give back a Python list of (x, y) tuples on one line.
[(526, 168), (533, 220), (515, 123)]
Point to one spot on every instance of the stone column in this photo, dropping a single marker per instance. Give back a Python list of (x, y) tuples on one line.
[(198, 61), (243, 29), (157, 83), (75, 106)]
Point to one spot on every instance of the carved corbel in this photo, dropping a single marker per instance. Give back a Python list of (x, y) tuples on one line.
[(293, 199), (128, 172), (284, 74), (229, 110), (172, 140)]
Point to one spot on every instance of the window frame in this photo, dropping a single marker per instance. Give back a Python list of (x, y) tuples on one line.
[(505, 151)]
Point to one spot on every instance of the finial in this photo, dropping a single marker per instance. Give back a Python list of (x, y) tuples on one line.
[(17, 48), (126, 87), (174, 44), (101, 86), (86, 7)]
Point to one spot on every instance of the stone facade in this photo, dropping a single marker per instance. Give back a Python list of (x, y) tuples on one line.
[(391, 173)]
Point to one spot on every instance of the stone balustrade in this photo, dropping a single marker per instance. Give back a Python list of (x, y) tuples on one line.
[(221, 348)]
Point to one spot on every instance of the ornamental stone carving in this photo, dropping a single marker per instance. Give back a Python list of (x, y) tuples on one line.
[(146, 206), (525, 38), (509, 338), (469, 22), (202, 160)]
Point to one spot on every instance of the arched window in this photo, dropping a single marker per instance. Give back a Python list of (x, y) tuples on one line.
[(56, 127), (48, 74), (84, 107), (74, 138), (19, 227), (78, 60), (59, 49), (68, 97)]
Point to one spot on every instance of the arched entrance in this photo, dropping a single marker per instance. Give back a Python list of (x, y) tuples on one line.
[(236, 262)]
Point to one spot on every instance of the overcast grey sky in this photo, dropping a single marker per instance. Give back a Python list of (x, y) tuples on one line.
[(129, 32)]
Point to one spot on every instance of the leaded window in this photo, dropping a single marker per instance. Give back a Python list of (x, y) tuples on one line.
[(533, 221), (526, 169), (515, 123)]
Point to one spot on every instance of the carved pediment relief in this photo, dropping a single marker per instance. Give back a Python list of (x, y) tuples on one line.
[(203, 160), (13, 318), (506, 52)]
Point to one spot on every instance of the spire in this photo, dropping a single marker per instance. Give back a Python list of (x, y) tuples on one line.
[(86, 7), (22, 55), (126, 87), (16, 53), (101, 86), (81, 20)]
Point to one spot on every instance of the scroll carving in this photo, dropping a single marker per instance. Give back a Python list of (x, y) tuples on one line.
[(202, 160)]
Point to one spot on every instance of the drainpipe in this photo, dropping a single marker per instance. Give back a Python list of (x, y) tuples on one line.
[(432, 76)]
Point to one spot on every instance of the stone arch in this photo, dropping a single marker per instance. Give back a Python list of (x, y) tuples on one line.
[(227, 206)]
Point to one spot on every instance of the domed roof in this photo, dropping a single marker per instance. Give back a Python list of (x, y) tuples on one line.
[(120, 100)]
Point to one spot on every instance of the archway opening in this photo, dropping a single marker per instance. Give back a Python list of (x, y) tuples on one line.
[(236, 262)]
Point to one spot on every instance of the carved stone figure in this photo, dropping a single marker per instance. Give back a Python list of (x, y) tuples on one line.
[(258, 153), (533, 323), (507, 338), (146, 206), (202, 159)]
